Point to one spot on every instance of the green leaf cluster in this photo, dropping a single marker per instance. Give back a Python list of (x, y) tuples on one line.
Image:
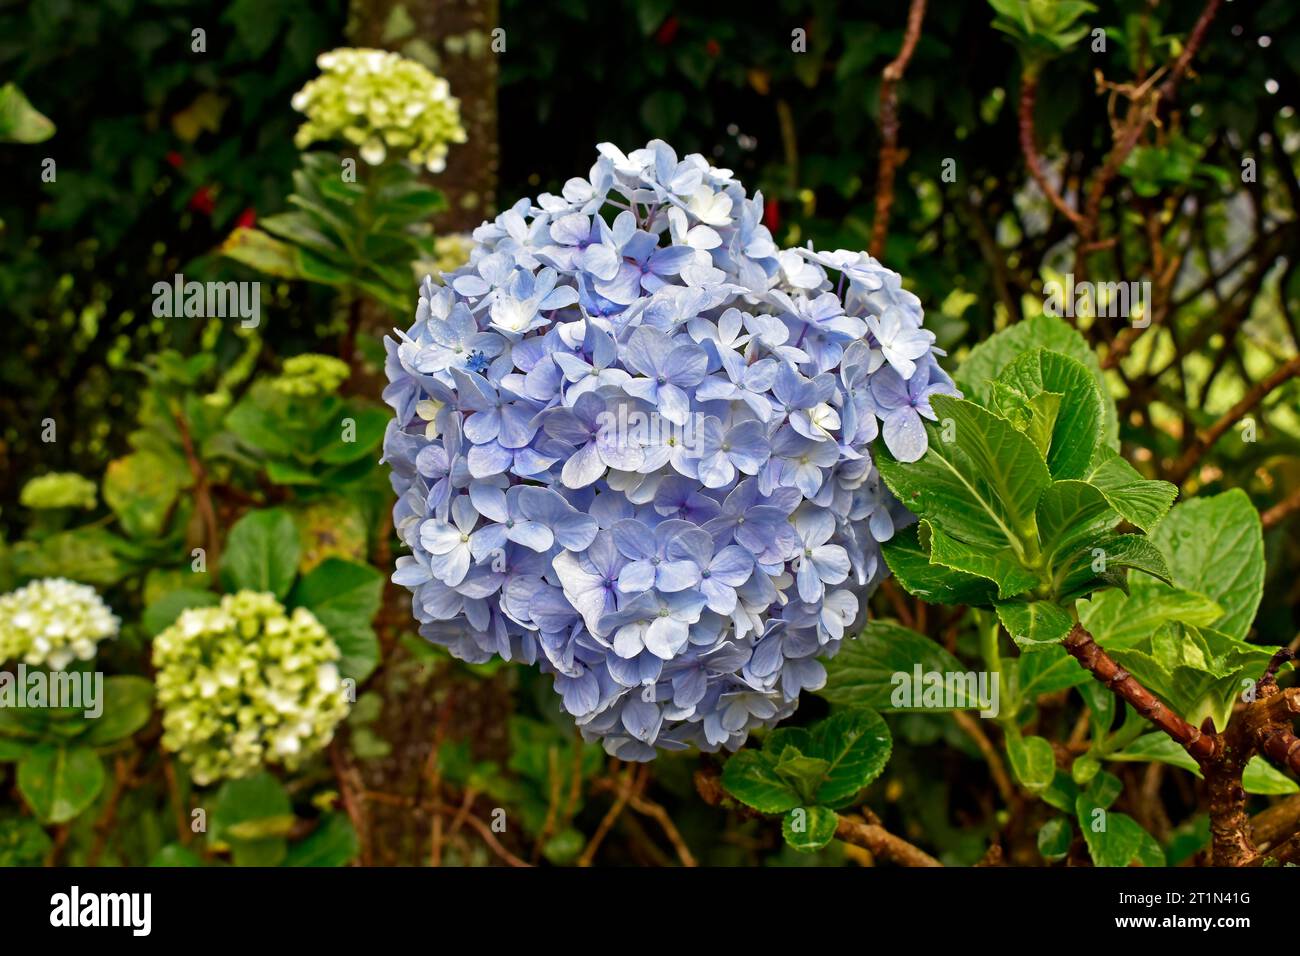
[(806, 774)]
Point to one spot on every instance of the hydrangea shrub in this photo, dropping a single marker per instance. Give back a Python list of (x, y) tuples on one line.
[(631, 444), (52, 622), (247, 683)]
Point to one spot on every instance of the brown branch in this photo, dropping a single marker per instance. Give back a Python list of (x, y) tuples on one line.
[(123, 770), (1272, 826), (991, 756), (649, 808), (183, 831), (1028, 97), (1207, 437), (1102, 666), (1194, 40), (882, 843), (346, 776), (892, 74), (491, 840), (1281, 511), (628, 784), (202, 493)]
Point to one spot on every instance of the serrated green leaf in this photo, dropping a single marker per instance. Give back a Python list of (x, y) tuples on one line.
[(1115, 839), (1077, 427), (1215, 546), (856, 745), (990, 357), (1045, 671), (981, 487), (262, 553), (1138, 500), (1036, 623), (1259, 776), (804, 774), (910, 563), (1119, 620), (1105, 561), (750, 776), (864, 671), (345, 597), (1032, 761), (1000, 566), (59, 783), (808, 829)]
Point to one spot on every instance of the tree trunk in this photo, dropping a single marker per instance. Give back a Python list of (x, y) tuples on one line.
[(453, 38)]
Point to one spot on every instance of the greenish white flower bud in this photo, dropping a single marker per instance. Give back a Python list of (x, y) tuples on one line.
[(380, 102), (58, 489), (247, 683), (52, 622)]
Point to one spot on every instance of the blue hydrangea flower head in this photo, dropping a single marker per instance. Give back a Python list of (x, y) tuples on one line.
[(631, 445)]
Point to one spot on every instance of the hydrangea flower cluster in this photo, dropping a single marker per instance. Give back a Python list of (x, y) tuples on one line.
[(52, 622), (310, 374), (58, 489), (380, 101), (247, 683), (631, 443)]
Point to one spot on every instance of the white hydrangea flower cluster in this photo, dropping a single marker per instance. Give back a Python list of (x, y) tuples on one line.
[(52, 622), (247, 683), (380, 102)]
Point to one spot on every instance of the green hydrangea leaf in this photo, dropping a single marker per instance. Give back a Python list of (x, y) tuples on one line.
[(345, 597), (981, 487), (1076, 428), (1259, 777), (863, 672), (127, 705), (808, 829), (910, 563), (1215, 546), (987, 360), (1140, 501), (1035, 623), (856, 745), (1032, 761), (750, 776), (262, 553), (58, 783)]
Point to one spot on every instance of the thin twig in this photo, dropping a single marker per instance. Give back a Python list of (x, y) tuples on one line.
[(893, 72), (346, 776), (1281, 511), (1207, 437), (991, 756), (611, 816)]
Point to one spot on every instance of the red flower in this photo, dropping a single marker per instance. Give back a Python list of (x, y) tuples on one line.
[(175, 160), (203, 200), (247, 219), (712, 48), (667, 30), (772, 215)]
